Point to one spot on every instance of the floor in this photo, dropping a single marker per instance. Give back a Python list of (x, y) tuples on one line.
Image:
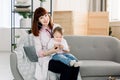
[(5, 72)]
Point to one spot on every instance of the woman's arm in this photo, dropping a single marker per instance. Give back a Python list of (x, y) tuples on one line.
[(50, 51)]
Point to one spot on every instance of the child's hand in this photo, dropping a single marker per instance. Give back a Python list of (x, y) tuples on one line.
[(61, 46), (56, 46)]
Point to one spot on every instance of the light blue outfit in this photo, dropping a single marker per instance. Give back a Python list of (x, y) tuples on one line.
[(64, 58)]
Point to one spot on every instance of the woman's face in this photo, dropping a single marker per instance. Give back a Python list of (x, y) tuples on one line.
[(57, 36), (44, 20)]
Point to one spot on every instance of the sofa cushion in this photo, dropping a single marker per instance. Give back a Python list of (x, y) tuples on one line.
[(99, 68), (93, 47)]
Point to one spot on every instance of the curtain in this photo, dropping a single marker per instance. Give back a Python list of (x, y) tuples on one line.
[(97, 5)]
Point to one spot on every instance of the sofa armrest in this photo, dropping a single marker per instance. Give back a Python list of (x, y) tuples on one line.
[(13, 66), (118, 52), (118, 57)]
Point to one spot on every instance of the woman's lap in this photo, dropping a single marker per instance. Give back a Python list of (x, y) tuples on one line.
[(67, 73)]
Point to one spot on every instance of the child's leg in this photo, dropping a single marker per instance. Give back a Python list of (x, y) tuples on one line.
[(62, 58), (72, 57), (74, 61)]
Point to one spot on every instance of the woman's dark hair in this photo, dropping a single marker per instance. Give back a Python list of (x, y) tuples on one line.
[(59, 29), (36, 25)]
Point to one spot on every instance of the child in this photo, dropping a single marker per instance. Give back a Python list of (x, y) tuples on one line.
[(60, 43)]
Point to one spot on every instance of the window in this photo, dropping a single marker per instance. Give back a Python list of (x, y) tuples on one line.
[(114, 10), (5, 13)]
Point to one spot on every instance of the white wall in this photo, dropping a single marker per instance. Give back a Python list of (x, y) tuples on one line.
[(114, 10), (5, 39), (5, 24), (73, 5)]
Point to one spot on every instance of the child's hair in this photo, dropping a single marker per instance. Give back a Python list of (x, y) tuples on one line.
[(59, 29)]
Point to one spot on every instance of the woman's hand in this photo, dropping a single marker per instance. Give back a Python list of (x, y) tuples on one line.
[(56, 47)]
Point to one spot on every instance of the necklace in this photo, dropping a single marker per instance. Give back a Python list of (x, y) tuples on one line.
[(44, 39)]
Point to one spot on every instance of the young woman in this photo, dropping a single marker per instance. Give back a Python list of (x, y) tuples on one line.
[(42, 28)]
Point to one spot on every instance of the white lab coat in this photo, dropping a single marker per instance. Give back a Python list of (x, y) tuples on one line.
[(41, 72)]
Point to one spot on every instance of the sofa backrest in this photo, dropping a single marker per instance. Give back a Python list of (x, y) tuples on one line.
[(93, 47)]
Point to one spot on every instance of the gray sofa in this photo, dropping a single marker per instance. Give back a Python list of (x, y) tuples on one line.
[(99, 57)]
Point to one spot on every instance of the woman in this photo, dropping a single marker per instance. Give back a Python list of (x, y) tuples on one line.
[(41, 29)]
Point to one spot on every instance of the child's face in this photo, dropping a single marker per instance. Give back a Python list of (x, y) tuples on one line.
[(57, 36)]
